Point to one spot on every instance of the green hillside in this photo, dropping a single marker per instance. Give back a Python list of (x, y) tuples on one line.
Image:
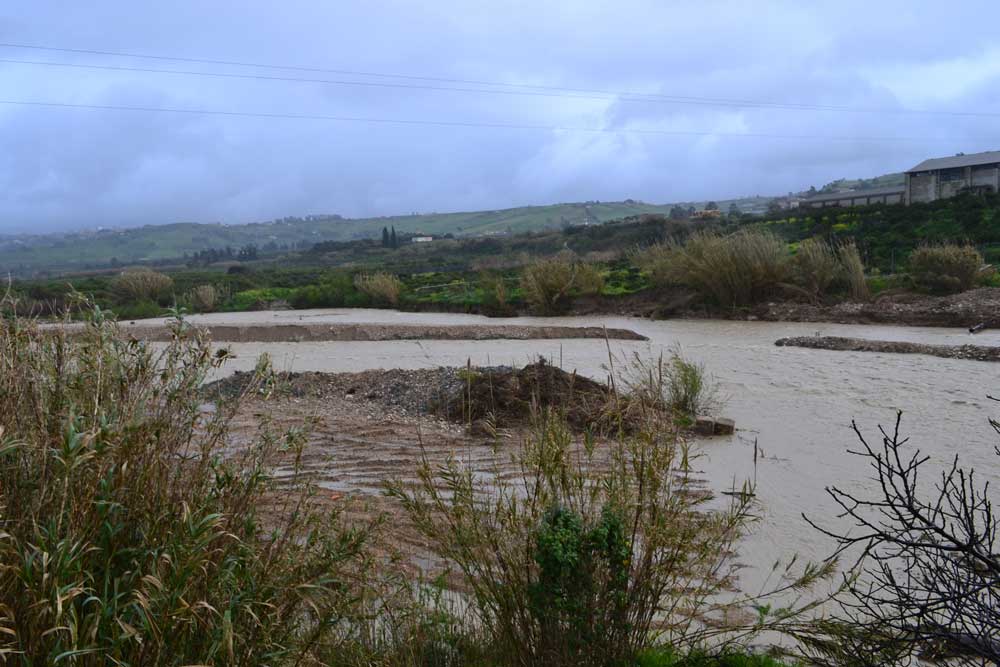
[(82, 251)]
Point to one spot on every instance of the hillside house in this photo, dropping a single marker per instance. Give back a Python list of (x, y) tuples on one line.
[(940, 178)]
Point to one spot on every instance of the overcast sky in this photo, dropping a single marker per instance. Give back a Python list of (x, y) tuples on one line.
[(64, 168)]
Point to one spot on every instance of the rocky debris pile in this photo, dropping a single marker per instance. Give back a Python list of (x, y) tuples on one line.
[(972, 352), (405, 391), (508, 397)]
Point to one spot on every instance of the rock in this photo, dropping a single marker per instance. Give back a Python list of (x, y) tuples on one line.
[(704, 426), (724, 426)]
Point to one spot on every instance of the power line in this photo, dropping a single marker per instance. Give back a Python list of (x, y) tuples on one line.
[(449, 123), (552, 91)]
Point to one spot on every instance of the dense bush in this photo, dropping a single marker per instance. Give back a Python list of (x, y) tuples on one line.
[(735, 270), (204, 298), (585, 555), (141, 284), (382, 288), (550, 285), (815, 266), (126, 537), (945, 268)]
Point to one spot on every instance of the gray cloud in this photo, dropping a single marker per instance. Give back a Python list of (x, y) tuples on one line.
[(66, 168)]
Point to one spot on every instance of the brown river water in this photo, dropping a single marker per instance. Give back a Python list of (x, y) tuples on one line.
[(797, 404)]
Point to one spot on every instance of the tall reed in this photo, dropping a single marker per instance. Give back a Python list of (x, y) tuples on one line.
[(130, 534)]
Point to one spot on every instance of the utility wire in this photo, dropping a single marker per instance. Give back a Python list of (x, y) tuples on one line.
[(449, 123), (547, 91)]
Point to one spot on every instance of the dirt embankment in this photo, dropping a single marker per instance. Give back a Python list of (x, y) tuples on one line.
[(968, 309), (296, 333), (971, 352)]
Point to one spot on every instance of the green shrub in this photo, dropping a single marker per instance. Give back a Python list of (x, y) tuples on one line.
[(945, 268), (735, 270), (576, 556), (383, 289), (127, 537), (550, 285), (336, 291), (496, 295), (141, 284)]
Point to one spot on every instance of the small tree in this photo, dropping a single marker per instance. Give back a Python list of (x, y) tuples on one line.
[(930, 568), (385, 237)]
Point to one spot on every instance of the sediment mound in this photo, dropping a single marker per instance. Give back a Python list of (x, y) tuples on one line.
[(971, 352), (297, 333), (509, 397)]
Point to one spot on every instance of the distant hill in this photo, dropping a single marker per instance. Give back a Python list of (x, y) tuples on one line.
[(34, 255)]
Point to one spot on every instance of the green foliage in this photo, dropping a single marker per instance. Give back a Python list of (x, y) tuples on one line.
[(382, 288), (141, 284), (668, 657), (582, 556), (945, 268), (550, 285), (815, 266), (127, 538), (579, 597), (735, 270)]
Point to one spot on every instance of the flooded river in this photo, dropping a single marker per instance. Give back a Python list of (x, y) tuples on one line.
[(797, 403)]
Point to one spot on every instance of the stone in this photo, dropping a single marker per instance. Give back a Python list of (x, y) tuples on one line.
[(724, 426), (704, 426)]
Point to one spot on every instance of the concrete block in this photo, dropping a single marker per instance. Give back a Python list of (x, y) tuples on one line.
[(724, 426)]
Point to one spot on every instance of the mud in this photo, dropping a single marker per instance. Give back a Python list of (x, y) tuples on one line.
[(970, 352), (297, 333)]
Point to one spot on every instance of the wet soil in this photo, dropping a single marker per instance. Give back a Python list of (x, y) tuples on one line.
[(971, 352)]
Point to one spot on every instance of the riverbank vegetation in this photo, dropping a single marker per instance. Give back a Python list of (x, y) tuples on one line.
[(135, 531), (722, 266)]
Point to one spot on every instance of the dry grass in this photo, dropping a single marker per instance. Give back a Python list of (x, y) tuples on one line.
[(142, 284), (550, 285), (735, 270), (382, 288), (129, 537)]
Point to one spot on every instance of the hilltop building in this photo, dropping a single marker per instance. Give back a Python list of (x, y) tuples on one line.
[(945, 177), (891, 195), (937, 178)]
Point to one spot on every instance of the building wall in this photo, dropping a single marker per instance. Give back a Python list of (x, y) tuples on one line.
[(984, 176), (922, 187)]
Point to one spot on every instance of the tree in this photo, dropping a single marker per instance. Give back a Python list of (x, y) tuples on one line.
[(385, 237), (930, 570), (393, 241), (734, 211), (711, 206), (678, 213)]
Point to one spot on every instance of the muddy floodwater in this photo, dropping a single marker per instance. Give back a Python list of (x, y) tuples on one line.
[(797, 404)]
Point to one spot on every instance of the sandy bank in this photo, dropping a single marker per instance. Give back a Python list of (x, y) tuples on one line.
[(971, 352), (295, 333)]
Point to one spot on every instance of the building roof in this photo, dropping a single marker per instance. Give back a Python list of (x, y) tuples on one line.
[(957, 161), (856, 194)]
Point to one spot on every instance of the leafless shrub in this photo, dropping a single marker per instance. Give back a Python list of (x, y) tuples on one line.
[(929, 569)]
